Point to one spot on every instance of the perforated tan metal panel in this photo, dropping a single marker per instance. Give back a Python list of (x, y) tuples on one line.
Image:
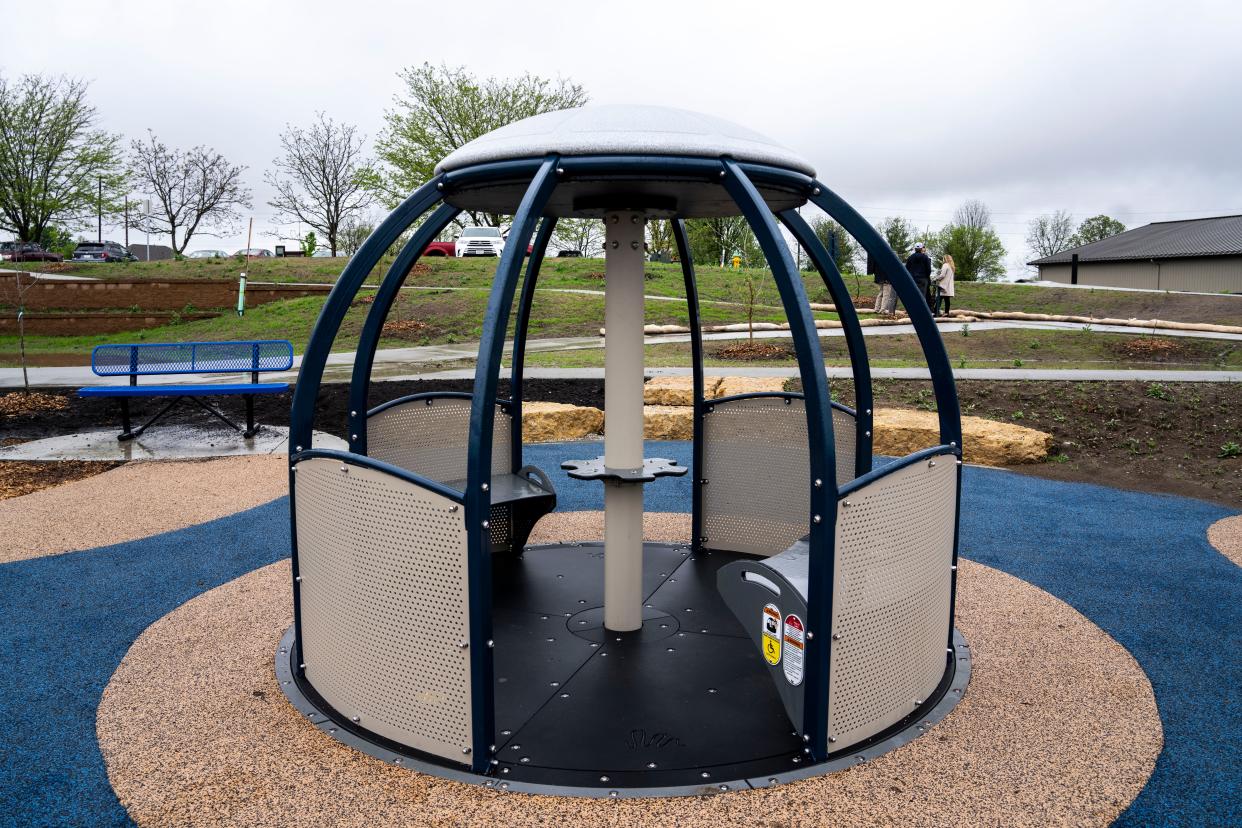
[(890, 597), (432, 440), (757, 498), (385, 603)]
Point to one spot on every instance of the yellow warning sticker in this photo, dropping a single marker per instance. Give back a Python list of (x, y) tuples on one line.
[(772, 634)]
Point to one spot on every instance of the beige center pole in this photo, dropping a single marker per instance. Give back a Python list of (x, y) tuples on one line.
[(623, 406)]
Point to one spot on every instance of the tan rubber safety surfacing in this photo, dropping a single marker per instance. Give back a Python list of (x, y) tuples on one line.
[(135, 501), (1058, 726), (1225, 535)]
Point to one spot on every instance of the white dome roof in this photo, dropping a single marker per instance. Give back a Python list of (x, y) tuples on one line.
[(629, 130)]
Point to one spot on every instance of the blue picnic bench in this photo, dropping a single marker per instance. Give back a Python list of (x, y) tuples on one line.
[(168, 358)]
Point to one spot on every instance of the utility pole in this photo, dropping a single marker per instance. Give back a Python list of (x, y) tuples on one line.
[(127, 222), (99, 211), (146, 220)]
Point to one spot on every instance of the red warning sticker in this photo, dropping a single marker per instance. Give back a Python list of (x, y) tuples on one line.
[(795, 647)]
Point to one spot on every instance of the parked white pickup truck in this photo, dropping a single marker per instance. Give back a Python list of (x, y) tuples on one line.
[(480, 241)]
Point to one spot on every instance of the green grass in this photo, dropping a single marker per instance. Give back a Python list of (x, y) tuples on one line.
[(714, 283), (450, 316), (982, 349), (456, 315)]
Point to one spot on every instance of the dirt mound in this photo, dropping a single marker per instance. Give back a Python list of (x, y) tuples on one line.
[(406, 329), (754, 350)]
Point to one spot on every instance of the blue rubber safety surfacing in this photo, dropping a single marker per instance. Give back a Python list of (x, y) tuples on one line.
[(1138, 565)]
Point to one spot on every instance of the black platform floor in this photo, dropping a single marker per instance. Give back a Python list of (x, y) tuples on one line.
[(685, 701)]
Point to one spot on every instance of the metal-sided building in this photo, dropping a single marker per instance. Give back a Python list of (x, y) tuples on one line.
[(1200, 255)]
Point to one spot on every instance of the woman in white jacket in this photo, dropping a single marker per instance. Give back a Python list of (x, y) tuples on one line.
[(944, 285)]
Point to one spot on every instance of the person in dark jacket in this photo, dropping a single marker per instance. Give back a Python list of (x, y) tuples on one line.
[(920, 266)]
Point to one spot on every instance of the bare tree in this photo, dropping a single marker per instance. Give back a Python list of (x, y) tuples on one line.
[(54, 162), (354, 232), (17, 288), (191, 189), (751, 290), (1049, 234), (585, 235), (318, 177)]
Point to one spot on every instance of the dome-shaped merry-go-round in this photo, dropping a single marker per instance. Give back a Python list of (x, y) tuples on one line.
[(805, 625)]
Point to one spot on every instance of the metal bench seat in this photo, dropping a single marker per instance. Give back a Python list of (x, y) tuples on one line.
[(221, 389), (165, 358)]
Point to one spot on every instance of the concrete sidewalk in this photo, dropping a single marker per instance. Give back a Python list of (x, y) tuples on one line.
[(1012, 374), (403, 363)]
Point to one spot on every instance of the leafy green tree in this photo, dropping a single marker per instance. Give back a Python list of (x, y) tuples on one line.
[(1096, 228), (660, 241), (974, 244), (310, 244), (60, 240), (900, 235), (54, 160), (443, 108), (718, 240), (834, 238)]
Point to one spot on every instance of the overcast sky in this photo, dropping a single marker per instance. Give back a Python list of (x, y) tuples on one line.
[(1128, 108)]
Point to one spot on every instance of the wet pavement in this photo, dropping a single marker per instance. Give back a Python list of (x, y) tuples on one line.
[(165, 442)]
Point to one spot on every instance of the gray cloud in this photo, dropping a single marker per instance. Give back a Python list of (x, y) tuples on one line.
[(1128, 108)]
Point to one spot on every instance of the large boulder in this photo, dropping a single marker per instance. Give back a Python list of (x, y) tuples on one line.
[(677, 390), (668, 422), (900, 431), (730, 386), (549, 422)]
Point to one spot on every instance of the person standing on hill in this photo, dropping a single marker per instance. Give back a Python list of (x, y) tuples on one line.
[(944, 285), (920, 267)]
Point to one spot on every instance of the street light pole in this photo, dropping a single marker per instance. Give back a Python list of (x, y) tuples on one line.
[(99, 212)]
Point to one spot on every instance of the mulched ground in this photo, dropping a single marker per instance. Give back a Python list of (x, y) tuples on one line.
[(18, 477), (752, 350), (1175, 438)]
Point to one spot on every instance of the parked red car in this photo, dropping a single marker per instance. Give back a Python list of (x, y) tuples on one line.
[(34, 252), (439, 249)]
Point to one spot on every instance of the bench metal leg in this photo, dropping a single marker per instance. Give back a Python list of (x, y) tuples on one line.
[(125, 434), (250, 426), (215, 413), (131, 433)]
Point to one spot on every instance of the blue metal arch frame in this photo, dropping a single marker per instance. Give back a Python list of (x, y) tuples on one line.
[(943, 384), (521, 325), (696, 372), (315, 357), (372, 328), (541, 176), (859, 366), (911, 298), (822, 485), (479, 460)]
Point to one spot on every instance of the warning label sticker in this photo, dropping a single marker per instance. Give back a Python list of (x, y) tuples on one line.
[(795, 647), (772, 634)]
